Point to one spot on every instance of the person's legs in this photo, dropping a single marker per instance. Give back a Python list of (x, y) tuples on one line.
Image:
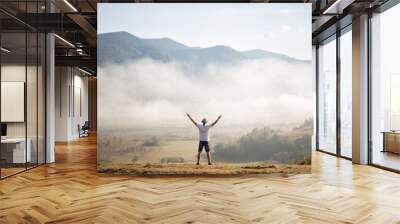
[(199, 152), (207, 146), (209, 158), (198, 158)]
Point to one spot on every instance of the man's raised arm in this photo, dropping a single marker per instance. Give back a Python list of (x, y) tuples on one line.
[(216, 121), (194, 122)]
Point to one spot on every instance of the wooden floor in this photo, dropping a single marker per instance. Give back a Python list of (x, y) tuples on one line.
[(5, 172), (70, 191), (386, 159)]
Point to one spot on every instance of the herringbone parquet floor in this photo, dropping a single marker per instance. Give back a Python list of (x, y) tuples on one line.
[(70, 191)]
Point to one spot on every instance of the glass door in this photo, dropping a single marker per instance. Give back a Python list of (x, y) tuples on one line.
[(22, 98), (385, 89), (327, 96), (346, 93), (14, 155)]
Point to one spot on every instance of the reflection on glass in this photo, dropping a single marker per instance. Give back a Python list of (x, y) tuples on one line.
[(13, 84), (22, 91), (346, 94), (327, 97), (41, 98), (31, 101), (386, 89), (394, 101)]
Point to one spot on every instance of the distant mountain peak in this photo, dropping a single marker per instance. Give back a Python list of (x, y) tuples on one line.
[(122, 46), (255, 50), (220, 46), (118, 34), (259, 54)]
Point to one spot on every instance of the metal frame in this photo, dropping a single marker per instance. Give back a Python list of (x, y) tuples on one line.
[(0, 91), (369, 91), (389, 4), (340, 31), (317, 97), (44, 74), (338, 82), (339, 34)]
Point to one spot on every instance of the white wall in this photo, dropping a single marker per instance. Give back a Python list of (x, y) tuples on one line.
[(62, 81), (14, 73), (69, 112), (79, 105), (33, 126)]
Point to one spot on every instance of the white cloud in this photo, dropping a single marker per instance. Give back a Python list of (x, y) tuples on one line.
[(287, 11), (301, 30), (269, 35), (152, 94), (286, 28)]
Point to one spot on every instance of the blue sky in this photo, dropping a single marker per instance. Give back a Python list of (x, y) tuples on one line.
[(282, 28)]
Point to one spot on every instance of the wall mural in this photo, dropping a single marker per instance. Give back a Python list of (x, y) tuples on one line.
[(204, 88)]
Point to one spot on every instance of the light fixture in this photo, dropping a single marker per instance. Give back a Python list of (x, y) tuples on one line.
[(64, 40), (80, 51), (70, 5), (5, 50), (84, 71)]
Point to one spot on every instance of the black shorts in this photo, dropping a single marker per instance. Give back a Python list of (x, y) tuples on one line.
[(205, 145)]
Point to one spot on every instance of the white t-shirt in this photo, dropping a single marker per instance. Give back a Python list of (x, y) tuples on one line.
[(203, 131)]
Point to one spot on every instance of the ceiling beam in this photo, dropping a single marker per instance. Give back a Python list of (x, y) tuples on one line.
[(81, 61), (86, 27), (338, 6)]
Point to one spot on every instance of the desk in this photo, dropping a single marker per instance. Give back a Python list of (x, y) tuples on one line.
[(13, 150), (391, 141)]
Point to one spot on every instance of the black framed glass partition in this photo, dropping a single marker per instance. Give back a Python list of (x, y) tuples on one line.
[(327, 95), (22, 101), (385, 89), (334, 94), (14, 153)]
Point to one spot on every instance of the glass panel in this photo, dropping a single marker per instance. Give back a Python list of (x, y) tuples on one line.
[(394, 101), (41, 98), (327, 96), (13, 87), (314, 71), (386, 89), (346, 94), (31, 88), (22, 89), (31, 98)]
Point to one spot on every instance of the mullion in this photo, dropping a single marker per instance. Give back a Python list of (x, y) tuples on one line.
[(26, 86), (338, 98), (0, 93), (317, 96), (37, 91)]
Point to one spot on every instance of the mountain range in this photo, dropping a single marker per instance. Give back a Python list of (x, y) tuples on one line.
[(120, 47)]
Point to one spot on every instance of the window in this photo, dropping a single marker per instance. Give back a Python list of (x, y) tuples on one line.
[(346, 94), (327, 96), (22, 88), (385, 89)]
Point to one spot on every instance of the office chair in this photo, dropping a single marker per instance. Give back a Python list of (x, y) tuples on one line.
[(84, 130)]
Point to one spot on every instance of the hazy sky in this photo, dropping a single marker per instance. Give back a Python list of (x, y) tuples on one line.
[(282, 28)]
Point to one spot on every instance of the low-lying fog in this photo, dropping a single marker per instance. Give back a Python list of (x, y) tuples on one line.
[(151, 94)]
